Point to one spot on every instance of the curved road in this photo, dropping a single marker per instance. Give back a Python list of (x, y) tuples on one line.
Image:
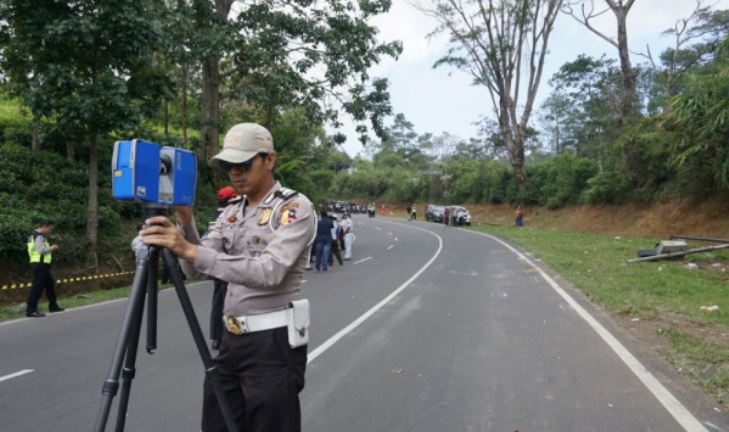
[(426, 329)]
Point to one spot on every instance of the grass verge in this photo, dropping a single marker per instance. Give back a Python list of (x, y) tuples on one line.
[(666, 296), (8, 312)]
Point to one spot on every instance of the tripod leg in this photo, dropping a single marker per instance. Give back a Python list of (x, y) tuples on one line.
[(211, 371), (130, 360), (134, 307), (152, 293)]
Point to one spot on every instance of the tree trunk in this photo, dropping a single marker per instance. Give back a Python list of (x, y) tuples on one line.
[(184, 104), (70, 150), (210, 91), (36, 145), (210, 106), (626, 68), (516, 159), (269, 115), (92, 222), (167, 118)]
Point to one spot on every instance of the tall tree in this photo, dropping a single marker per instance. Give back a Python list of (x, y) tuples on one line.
[(278, 53), (502, 45), (584, 104), (695, 40), (619, 8), (216, 37), (182, 49), (89, 68)]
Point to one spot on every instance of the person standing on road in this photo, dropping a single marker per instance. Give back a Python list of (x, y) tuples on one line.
[(40, 253), (348, 231), (220, 288), (446, 216), (336, 236), (519, 217), (413, 212), (323, 241), (259, 246)]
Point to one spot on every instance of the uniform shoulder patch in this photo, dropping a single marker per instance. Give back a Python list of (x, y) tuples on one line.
[(288, 213)]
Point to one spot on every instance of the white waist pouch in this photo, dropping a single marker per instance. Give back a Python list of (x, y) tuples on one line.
[(298, 323)]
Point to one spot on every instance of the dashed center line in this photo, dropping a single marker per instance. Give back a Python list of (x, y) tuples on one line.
[(15, 375), (363, 260), (390, 247)]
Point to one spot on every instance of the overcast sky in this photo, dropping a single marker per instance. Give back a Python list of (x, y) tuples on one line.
[(437, 100)]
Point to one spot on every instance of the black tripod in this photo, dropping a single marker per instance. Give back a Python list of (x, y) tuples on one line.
[(145, 280)]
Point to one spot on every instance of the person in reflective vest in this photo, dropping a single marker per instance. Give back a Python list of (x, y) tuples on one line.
[(40, 253)]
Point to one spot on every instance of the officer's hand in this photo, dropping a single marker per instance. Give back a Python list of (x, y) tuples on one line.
[(162, 233), (54, 247), (183, 214)]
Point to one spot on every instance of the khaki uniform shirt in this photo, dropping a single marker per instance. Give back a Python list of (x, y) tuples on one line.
[(260, 251)]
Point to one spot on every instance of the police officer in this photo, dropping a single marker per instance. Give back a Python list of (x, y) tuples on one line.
[(220, 287), (259, 245), (40, 253)]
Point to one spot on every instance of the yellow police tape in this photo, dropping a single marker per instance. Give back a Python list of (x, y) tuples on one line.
[(13, 285)]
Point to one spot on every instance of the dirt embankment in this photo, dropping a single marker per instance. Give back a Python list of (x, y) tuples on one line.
[(707, 217)]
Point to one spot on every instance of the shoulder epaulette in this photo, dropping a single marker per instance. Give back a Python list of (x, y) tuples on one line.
[(285, 193), (236, 200)]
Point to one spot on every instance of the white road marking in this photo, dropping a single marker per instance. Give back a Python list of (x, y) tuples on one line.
[(16, 374), (390, 234), (395, 238), (378, 228), (363, 260), (390, 247), (356, 323), (674, 407)]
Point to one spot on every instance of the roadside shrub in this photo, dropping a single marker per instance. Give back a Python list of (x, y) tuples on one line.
[(608, 187)]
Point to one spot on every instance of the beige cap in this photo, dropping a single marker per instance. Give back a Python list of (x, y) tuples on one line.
[(242, 142)]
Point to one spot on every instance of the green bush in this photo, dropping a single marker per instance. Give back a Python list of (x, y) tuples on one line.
[(15, 122), (608, 187), (38, 185)]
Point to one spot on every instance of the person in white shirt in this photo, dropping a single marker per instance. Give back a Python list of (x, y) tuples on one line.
[(348, 229)]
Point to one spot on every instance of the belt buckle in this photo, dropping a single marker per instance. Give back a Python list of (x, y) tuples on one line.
[(236, 326)]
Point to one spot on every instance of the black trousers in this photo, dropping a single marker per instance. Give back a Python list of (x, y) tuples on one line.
[(335, 253), (220, 288), (42, 280), (262, 377)]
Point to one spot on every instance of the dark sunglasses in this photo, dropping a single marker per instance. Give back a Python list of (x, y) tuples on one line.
[(244, 166)]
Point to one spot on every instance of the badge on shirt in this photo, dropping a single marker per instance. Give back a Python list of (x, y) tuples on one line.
[(265, 216), (288, 213), (255, 239), (232, 219)]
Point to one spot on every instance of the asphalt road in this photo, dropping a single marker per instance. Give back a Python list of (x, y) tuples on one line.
[(426, 329)]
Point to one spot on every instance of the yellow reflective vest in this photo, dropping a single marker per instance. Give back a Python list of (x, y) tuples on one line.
[(34, 255)]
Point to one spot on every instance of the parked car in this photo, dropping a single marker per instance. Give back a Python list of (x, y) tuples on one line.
[(462, 215), (434, 213)]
